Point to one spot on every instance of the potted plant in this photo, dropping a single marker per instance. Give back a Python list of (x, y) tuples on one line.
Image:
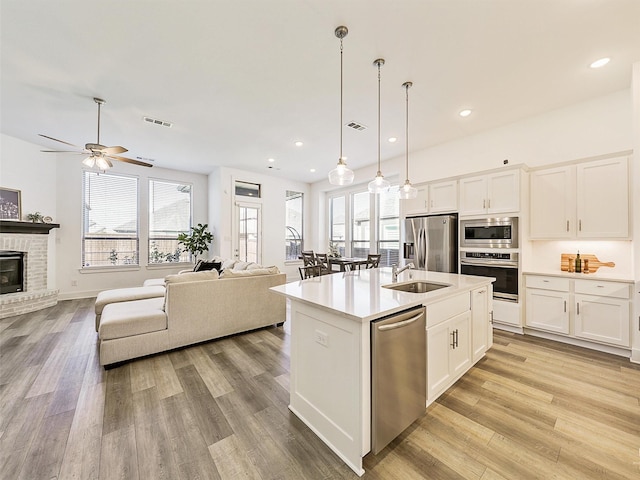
[(197, 240)]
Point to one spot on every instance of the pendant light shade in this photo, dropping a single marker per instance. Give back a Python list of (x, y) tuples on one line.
[(407, 191), (378, 184), (341, 175)]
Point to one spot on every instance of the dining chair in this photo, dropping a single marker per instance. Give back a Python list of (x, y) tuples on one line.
[(322, 260), (373, 260), (308, 257), (309, 271)]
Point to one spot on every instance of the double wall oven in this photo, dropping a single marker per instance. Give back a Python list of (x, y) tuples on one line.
[(484, 244)]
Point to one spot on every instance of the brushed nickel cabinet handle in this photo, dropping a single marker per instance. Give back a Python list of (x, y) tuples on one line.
[(484, 203), (577, 308), (580, 225), (565, 306), (489, 203), (453, 339), (567, 225)]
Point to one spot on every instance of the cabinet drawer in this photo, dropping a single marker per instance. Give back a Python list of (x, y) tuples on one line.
[(547, 283), (441, 311), (605, 289)]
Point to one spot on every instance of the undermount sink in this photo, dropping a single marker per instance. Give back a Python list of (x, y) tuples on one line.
[(417, 286)]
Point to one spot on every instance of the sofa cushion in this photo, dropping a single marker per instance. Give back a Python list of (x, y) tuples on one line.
[(228, 263), (127, 294), (242, 265), (154, 282), (249, 273), (192, 277), (126, 319)]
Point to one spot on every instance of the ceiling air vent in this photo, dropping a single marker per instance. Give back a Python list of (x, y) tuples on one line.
[(146, 159), (158, 122), (356, 126)]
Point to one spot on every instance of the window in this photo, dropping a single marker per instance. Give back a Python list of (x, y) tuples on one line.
[(360, 224), (337, 224), (246, 189), (293, 220), (110, 220), (169, 215), (389, 227)]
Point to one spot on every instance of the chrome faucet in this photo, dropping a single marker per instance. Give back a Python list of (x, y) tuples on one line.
[(395, 271)]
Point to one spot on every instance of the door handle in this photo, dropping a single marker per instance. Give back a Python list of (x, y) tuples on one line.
[(403, 323)]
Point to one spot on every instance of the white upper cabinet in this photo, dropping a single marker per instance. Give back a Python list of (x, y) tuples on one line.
[(418, 205), (588, 200), (603, 199), (553, 203), (443, 197), (497, 192)]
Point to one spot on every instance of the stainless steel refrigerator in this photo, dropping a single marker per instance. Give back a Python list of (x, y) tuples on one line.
[(431, 243)]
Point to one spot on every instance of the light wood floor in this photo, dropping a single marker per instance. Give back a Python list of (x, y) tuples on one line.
[(530, 409)]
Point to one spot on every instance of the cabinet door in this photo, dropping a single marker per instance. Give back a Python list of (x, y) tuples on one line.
[(439, 343), (473, 195), (552, 206), (479, 322), (603, 199), (503, 192), (603, 319), (416, 205), (548, 310), (460, 354), (443, 197)]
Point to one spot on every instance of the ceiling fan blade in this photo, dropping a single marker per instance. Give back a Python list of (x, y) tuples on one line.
[(63, 151), (130, 160), (112, 150), (56, 140)]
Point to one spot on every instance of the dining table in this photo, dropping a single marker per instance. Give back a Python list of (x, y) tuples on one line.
[(343, 262)]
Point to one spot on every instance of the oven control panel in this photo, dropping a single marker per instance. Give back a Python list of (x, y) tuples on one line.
[(491, 256)]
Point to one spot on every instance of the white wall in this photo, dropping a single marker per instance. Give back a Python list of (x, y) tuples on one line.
[(23, 167), (221, 218)]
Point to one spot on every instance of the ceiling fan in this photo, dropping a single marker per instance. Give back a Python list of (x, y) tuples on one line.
[(99, 155)]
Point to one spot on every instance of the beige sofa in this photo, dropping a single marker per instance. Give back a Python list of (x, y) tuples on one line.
[(196, 307)]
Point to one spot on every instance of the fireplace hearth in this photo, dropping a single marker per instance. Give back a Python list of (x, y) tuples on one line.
[(11, 271)]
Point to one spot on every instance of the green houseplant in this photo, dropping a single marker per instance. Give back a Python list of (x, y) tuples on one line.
[(197, 240)]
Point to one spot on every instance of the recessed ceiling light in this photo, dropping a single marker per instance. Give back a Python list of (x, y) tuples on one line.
[(312, 170), (299, 143), (465, 113), (600, 63), (271, 160), (393, 139)]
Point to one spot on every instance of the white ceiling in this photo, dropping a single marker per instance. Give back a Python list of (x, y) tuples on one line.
[(242, 80)]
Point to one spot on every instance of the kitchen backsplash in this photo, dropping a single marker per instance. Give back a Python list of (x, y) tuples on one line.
[(545, 255)]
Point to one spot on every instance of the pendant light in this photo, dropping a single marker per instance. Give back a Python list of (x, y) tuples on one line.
[(341, 175), (378, 184), (407, 191)]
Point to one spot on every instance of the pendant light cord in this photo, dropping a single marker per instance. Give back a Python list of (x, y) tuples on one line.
[(98, 142), (379, 64), (406, 138), (341, 127)]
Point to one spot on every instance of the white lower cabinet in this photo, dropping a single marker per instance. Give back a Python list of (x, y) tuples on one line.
[(448, 353), (593, 310), (602, 319), (482, 331)]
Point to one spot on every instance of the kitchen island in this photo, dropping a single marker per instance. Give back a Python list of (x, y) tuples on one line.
[(330, 384)]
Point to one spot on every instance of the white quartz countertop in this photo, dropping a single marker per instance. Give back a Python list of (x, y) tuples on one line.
[(601, 274), (360, 294)]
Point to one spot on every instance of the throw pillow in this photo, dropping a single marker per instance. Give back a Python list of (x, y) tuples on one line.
[(229, 263), (202, 266), (197, 266), (241, 265)]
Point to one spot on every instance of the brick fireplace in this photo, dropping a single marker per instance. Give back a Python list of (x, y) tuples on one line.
[(32, 241)]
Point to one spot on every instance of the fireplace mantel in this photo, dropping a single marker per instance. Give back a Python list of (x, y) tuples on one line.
[(11, 226)]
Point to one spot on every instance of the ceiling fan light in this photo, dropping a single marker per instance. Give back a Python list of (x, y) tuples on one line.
[(341, 175), (103, 163), (90, 161), (407, 191), (378, 184)]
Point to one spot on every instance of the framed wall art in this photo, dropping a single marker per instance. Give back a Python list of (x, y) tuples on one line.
[(10, 205)]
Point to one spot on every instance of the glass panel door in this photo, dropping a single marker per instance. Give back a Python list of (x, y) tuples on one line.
[(361, 224), (249, 232)]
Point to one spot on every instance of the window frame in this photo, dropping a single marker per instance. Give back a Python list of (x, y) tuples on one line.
[(300, 195)]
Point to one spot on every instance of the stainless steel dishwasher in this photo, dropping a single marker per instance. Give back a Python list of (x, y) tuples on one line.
[(398, 374)]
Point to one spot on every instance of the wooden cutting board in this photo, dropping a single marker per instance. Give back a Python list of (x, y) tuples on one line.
[(594, 263)]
